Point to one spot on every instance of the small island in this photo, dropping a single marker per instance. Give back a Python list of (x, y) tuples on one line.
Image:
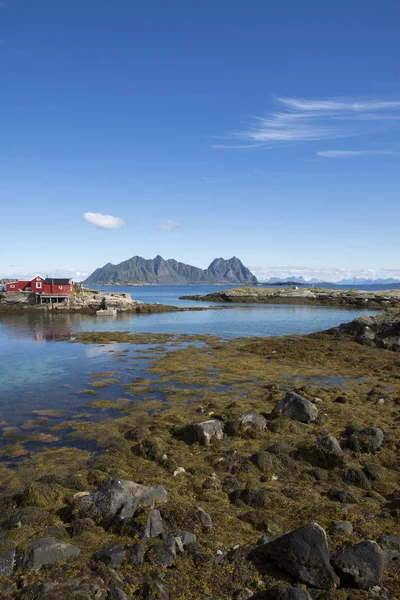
[(312, 296)]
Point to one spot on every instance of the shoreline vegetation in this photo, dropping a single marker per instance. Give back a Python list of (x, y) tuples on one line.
[(229, 462), (312, 296)]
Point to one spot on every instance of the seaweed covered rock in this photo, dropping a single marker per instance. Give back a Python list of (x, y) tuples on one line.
[(46, 551), (360, 566), (368, 439), (249, 423), (203, 433), (7, 557), (304, 554), (297, 408), (117, 501), (356, 477), (44, 495)]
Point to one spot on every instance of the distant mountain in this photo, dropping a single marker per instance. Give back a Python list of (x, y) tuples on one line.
[(290, 279), (161, 271), (363, 281)]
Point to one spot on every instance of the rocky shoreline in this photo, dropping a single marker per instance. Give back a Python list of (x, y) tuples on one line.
[(312, 296), (87, 302), (269, 470)]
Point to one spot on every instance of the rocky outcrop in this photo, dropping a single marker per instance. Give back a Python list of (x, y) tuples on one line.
[(382, 331), (297, 408), (304, 553), (324, 297), (360, 566)]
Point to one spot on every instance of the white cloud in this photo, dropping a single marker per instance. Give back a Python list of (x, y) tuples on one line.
[(169, 226), (351, 153), (104, 221), (299, 120)]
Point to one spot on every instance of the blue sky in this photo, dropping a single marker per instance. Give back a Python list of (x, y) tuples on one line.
[(265, 130)]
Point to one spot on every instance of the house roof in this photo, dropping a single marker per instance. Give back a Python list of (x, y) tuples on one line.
[(55, 281)]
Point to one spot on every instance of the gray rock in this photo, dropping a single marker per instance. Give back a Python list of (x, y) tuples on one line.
[(164, 554), (360, 566), (343, 496), (111, 555), (304, 554), (248, 419), (297, 408), (117, 500), (243, 594), (7, 557), (341, 527), (356, 477), (288, 593), (186, 537), (393, 540), (203, 432), (154, 526), (46, 551), (115, 593), (331, 444), (205, 518), (137, 553), (368, 439)]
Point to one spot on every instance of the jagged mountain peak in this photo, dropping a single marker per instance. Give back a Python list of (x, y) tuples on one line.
[(159, 270)]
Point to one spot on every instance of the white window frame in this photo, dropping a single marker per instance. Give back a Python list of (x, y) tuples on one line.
[(39, 285)]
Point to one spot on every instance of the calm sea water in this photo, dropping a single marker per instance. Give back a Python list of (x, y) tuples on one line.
[(37, 372)]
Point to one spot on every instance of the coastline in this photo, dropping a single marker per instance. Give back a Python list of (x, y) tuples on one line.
[(312, 296), (259, 475)]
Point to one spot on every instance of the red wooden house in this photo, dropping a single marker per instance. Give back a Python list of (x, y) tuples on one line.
[(49, 286)]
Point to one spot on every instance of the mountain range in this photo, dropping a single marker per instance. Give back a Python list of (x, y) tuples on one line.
[(350, 281), (161, 271)]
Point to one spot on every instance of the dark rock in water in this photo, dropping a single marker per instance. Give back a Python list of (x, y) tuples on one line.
[(360, 566), (203, 433), (368, 439), (7, 557), (297, 408), (46, 551), (117, 500), (111, 555), (341, 527), (304, 554), (205, 518), (356, 477), (342, 495)]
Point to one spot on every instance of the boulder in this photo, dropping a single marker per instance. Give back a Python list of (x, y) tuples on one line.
[(204, 517), (251, 419), (137, 552), (242, 594), (7, 557), (117, 500), (356, 477), (164, 554), (341, 527), (331, 444), (360, 566), (368, 439), (203, 433), (111, 555), (46, 551), (304, 554), (285, 593), (186, 537), (297, 408)]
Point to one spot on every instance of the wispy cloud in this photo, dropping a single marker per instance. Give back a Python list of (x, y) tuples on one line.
[(301, 120), (354, 153), (169, 226), (103, 221)]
